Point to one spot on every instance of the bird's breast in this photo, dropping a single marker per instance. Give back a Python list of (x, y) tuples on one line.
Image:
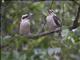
[(24, 27), (25, 22), (50, 20)]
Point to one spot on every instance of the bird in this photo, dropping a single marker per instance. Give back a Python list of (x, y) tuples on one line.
[(25, 24), (52, 21)]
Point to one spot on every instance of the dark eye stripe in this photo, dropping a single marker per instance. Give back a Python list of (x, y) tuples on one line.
[(24, 17)]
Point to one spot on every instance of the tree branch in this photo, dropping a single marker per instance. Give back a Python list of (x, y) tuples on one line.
[(75, 23), (41, 34)]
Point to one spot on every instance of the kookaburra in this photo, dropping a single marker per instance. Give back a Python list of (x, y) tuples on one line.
[(53, 22), (25, 24)]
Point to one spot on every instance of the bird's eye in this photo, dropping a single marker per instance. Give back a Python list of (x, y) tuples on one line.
[(24, 17)]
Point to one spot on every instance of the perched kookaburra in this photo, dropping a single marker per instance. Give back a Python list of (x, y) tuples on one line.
[(25, 24), (53, 22)]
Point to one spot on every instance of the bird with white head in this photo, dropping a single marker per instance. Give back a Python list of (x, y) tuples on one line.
[(25, 24), (53, 22)]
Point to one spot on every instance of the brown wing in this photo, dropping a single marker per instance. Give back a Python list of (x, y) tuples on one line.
[(57, 21)]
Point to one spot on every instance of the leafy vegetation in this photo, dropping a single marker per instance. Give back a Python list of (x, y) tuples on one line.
[(17, 47)]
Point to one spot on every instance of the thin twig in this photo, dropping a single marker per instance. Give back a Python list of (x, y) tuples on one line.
[(51, 5), (75, 2)]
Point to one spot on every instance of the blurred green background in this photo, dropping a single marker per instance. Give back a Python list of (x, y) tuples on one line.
[(49, 47)]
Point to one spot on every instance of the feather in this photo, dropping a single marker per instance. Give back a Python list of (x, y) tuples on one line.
[(57, 21)]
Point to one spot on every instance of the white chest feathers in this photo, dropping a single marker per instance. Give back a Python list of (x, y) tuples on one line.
[(25, 26), (50, 20), (25, 21)]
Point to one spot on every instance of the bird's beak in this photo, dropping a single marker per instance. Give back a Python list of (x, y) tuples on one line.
[(31, 14)]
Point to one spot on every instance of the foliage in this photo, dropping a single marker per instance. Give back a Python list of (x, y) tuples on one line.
[(17, 47)]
